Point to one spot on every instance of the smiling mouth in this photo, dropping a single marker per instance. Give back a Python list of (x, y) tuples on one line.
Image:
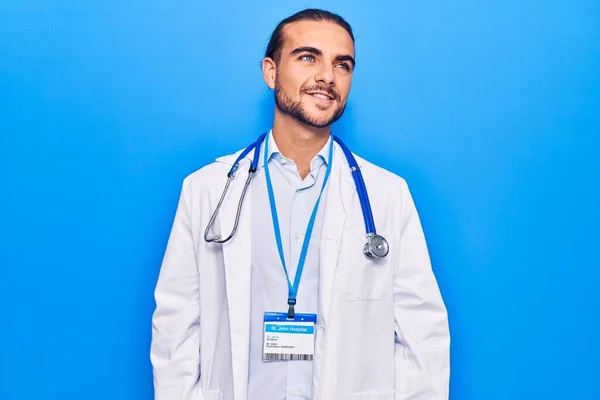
[(321, 96)]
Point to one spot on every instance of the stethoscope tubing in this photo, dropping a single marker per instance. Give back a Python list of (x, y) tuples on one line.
[(359, 182), (361, 189)]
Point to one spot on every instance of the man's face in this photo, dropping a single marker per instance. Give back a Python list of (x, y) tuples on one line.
[(314, 74)]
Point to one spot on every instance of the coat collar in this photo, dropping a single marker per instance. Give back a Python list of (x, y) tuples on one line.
[(229, 159)]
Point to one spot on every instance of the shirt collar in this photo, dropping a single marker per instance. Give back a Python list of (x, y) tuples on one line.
[(275, 154)]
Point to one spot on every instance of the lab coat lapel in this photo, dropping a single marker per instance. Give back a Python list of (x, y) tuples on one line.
[(340, 188), (237, 260)]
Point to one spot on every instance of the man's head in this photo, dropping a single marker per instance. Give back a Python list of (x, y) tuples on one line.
[(309, 63)]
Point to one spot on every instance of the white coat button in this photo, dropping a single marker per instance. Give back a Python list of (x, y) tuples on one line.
[(296, 392), (298, 235)]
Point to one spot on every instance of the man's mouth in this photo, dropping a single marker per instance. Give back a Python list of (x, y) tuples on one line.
[(321, 95)]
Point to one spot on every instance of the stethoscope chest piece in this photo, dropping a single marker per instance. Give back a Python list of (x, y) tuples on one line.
[(376, 247)]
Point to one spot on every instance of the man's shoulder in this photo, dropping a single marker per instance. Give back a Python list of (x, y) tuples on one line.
[(211, 171), (380, 177)]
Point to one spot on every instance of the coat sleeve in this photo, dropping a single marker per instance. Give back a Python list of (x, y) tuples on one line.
[(175, 346), (422, 338)]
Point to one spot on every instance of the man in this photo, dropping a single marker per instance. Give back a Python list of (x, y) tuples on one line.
[(349, 327)]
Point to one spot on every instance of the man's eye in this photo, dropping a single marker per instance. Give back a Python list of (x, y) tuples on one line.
[(307, 57), (344, 66)]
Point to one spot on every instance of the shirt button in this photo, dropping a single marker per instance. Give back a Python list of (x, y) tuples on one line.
[(284, 161), (298, 235), (296, 392)]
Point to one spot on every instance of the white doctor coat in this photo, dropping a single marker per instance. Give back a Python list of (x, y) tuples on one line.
[(382, 331)]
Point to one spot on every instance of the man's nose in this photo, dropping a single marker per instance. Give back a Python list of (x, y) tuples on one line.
[(326, 75)]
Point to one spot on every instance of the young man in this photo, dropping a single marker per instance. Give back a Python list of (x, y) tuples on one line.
[(290, 307)]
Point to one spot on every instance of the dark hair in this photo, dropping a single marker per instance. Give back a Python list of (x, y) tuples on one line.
[(311, 14)]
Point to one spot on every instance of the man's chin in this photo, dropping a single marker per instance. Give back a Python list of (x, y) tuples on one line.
[(319, 122), (321, 119)]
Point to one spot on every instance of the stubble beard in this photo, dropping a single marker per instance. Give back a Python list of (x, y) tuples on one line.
[(296, 110)]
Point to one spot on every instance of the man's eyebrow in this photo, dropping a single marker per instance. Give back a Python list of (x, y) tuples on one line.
[(317, 52), (346, 58), (311, 50)]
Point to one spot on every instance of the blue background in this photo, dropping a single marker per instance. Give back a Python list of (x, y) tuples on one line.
[(489, 109)]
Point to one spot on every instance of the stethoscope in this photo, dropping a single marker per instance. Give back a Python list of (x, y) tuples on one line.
[(376, 246)]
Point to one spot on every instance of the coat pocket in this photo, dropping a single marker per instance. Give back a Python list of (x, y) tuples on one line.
[(388, 395), (364, 279), (367, 280)]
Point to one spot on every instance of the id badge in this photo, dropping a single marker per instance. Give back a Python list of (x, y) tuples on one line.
[(289, 339)]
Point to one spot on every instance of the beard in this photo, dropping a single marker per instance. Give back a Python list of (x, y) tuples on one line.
[(296, 110)]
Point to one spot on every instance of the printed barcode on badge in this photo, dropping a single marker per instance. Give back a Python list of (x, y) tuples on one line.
[(287, 357)]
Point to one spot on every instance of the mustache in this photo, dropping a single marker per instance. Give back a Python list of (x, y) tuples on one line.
[(327, 89)]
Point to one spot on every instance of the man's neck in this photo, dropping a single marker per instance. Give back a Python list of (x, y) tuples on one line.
[(298, 142)]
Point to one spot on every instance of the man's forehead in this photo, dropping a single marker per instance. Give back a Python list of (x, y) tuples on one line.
[(323, 35)]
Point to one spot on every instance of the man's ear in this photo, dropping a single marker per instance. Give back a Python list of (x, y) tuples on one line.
[(269, 68)]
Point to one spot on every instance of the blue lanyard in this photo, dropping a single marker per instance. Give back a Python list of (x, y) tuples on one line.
[(293, 288)]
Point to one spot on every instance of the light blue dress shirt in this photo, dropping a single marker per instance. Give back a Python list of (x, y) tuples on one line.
[(295, 199)]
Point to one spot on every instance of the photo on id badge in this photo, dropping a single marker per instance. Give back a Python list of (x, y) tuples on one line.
[(286, 339)]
